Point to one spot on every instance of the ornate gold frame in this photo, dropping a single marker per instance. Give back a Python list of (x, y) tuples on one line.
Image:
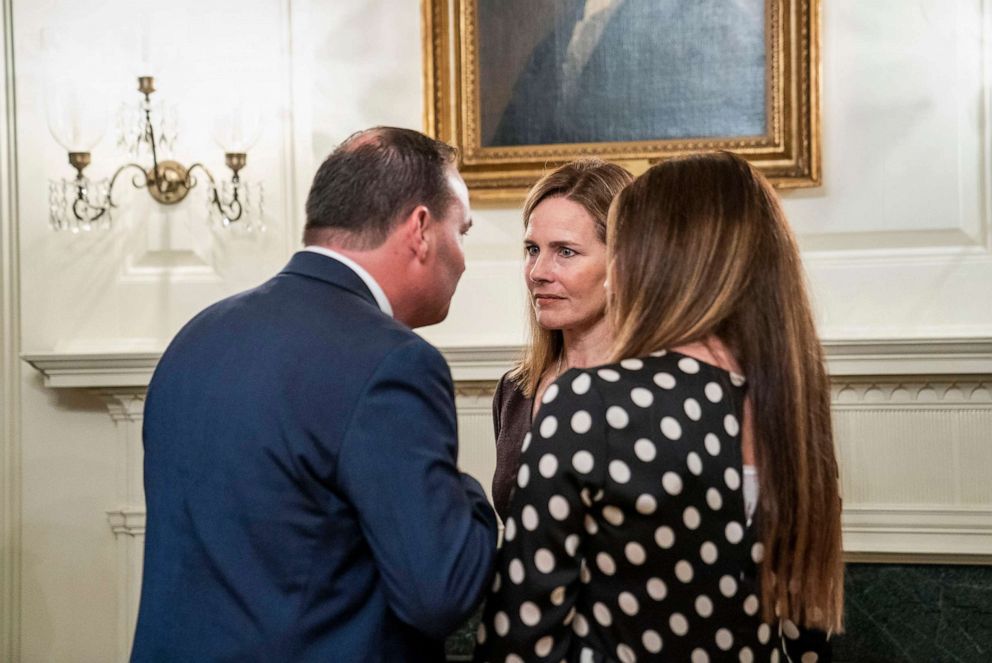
[(788, 154)]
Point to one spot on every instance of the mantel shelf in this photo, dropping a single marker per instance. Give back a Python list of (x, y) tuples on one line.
[(846, 359)]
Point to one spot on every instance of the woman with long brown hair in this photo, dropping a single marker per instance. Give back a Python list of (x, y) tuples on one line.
[(565, 269), (638, 531)]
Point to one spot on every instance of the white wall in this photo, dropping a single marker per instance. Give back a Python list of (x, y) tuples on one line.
[(896, 243)]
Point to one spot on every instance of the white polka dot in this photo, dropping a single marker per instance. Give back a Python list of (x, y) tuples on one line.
[(651, 641), (809, 657), (646, 504), (572, 544), (523, 475), (548, 466), (580, 626), (645, 450), (708, 552), (678, 623), (602, 614), (501, 623), (688, 365), (695, 463), (544, 645), (606, 564), (713, 499), (626, 654), (548, 427), (550, 394), (480, 634), (734, 532), (790, 629), (510, 530), (641, 397), (691, 517), (724, 639), (582, 462), (558, 596), (617, 417), (737, 379), (699, 656), (581, 383), (712, 444), (746, 655), (774, 658), (584, 574), (751, 605), (526, 443), (659, 353), (530, 614), (608, 374), (635, 553), (581, 422), (683, 571), (704, 606), (764, 632), (671, 428), (731, 426), (585, 496), (591, 525), (692, 409), (732, 478), (672, 483), (664, 380), (613, 515), (529, 518), (758, 552), (657, 589), (728, 586), (713, 392), (632, 364), (664, 537), (544, 560), (628, 603), (513, 658), (558, 507), (619, 471), (497, 581), (516, 571)]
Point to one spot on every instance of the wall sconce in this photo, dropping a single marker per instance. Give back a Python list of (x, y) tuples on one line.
[(81, 203)]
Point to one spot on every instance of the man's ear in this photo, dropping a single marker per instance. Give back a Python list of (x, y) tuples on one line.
[(416, 231)]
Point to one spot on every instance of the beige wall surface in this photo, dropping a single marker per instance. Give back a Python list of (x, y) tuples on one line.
[(896, 242)]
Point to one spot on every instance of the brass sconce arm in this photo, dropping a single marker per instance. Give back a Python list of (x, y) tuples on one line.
[(232, 209)]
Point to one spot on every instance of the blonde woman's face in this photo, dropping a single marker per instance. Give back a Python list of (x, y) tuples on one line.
[(565, 266)]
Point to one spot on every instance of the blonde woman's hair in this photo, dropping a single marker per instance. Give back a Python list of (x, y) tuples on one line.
[(593, 184), (699, 246)]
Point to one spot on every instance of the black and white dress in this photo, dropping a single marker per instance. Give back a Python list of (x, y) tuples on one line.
[(627, 538)]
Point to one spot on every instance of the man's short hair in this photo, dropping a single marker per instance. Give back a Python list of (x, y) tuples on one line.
[(372, 180)]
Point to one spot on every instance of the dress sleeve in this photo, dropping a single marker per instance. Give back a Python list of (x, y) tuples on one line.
[(531, 604)]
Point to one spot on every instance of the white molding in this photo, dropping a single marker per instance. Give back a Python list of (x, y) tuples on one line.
[(959, 531), (127, 521), (882, 358), (10, 367)]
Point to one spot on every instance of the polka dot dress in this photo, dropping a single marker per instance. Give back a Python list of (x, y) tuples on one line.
[(627, 538)]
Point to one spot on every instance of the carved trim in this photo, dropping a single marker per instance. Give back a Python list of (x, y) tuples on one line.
[(918, 395), (960, 531), (128, 405), (127, 521)]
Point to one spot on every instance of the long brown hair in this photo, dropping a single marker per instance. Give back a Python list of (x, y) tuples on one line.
[(700, 246), (593, 184)]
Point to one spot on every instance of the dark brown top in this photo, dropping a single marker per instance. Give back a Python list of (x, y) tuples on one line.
[(511, 421)]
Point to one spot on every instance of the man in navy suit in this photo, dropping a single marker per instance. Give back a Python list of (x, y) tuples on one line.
[(300, 440)]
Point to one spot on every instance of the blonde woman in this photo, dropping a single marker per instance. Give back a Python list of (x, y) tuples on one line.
[(637, 531), (565, 268)]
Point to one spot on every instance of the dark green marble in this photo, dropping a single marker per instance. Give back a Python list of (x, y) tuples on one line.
[(895, 613)]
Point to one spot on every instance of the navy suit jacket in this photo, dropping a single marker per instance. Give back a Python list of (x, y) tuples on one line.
[(302, 493)]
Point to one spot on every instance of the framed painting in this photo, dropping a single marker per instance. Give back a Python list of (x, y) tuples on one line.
[(520, 86)]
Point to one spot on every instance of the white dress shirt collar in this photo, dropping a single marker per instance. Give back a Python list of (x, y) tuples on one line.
[(373, 286)]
